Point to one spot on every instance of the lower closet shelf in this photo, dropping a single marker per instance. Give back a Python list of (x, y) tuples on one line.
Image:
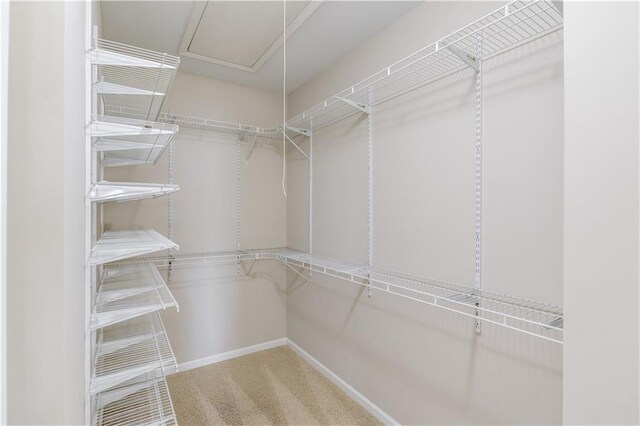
[(530, 317), (117, 245), (144, 400), (130, 349), (128, 292)]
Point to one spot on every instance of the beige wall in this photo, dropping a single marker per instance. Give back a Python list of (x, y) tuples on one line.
[(602, 352), (421, 365), (45, 318), (219, 311)]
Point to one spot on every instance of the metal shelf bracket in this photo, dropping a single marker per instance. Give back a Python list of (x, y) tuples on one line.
[(300, 131), (468, 58), (296, 145), (362, 107)]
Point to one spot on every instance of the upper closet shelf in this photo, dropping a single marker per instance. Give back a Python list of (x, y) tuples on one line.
[(127, 141), (128, 292), (147, 402), (118, 245), (131, 349), (126, 191), (516, 23), (131, 76)]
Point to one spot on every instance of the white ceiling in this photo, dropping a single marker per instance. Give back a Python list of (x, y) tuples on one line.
[(328, 33)]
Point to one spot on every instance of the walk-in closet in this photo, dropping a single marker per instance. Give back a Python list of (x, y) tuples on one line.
[(320, 212)]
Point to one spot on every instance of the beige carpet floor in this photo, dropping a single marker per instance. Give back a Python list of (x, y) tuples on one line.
[(272, 387)]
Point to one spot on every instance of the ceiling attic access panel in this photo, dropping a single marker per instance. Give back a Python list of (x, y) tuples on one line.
[(214, 35)]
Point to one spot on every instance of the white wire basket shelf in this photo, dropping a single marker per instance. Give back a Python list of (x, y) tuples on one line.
[(510, 26), (127, 141), (203, 124), (131, 349), (128, 191), (133, 76), (530, 317), (118, 245), (129, 292), (144, 400)]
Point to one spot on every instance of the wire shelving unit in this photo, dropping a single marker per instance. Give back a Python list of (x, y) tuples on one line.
[(516, 23), (127, 350), (127, 191), (117, 245), (129, 292)]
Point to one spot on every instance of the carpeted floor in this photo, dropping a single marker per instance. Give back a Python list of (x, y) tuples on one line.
[(272, 387)]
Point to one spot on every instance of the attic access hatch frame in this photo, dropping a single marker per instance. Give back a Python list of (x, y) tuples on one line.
[(196, 16)]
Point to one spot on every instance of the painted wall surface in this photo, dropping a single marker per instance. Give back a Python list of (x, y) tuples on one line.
[(220, 310), (419, 364), (45, 318), (602, 112)]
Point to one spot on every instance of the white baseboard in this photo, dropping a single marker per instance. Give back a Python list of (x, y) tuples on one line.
[(201, 362), (346, 387)]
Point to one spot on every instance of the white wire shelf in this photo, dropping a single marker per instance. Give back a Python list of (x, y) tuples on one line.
[(118, 245), (517, 23), (131, 349), (127, 191), (127, 141), (530, 317), (203, 124), (144, 400), (211, 258), (133, 76), (128, 292)]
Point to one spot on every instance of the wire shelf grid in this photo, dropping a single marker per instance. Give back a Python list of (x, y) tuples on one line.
[(128, 191), (144, 400), (133, 76), (117, 245), (129, 292), (127, 141), (516, 23), (127, 350)]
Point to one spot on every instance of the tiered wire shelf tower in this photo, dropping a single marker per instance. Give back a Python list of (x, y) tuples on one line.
[(457, 54), (127, 349)]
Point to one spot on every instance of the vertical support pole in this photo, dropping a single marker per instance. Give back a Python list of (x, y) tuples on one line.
[(170, 207), (369, 194), (310, 190), (238, 202), (478, 184), (89, 215)]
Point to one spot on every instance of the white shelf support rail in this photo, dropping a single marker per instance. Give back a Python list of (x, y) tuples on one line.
[(478, 183), (310, 194), (238, 194), (369, 194)]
